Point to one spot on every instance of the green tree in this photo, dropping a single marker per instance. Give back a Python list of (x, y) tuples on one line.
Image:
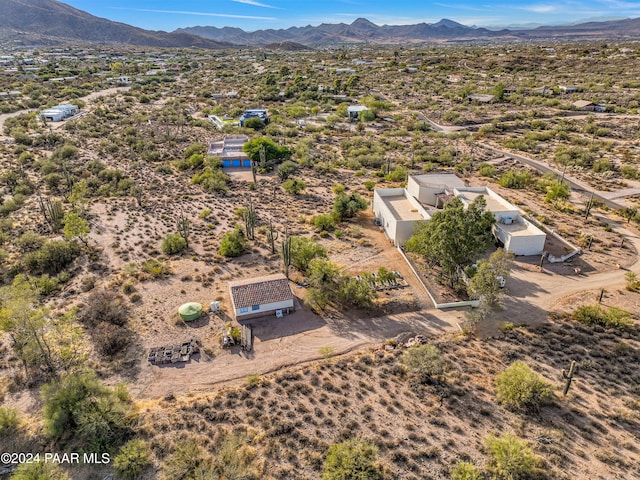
[(233, 244), (520, 388), (76, 227), (485, 283), (511, 458), (454, 237), (27, 325), (356, 293), (272, 151), (424, 361), (254, 123), (347, 206), (79, 404), (303, 250), (132, 459), (293, 186), (353, 459), (324, 279)]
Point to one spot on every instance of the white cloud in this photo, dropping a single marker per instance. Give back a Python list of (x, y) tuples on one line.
[(206, 14), (540, 8), (254, 3)]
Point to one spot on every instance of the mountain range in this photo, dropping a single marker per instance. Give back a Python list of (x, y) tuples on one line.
[(51, 22)]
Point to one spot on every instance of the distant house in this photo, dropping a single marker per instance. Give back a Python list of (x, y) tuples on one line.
[(568, 89), (229, 150), (350, 71), (481, 98), (354, 111), (542, 91), (261, 296), (58, 113), (260, 113), (585, 105)]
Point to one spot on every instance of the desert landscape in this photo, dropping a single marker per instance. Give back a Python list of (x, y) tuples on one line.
[(117, 214)]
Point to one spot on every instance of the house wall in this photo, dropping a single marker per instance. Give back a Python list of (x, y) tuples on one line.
[(263, 310), (525, 245), (382, 212), (424, 194)]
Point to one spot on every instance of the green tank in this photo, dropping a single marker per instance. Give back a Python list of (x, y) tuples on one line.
[(190, 311)]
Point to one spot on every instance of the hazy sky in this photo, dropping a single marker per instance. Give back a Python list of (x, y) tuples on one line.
[(260, 14)]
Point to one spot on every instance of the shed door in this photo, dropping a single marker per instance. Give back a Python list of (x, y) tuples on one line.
[(235, 163)]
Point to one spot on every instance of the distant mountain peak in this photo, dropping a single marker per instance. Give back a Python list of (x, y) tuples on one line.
[(445, 22), (363, 22)]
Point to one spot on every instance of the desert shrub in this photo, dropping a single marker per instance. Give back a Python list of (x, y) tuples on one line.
[(29, 242), (557, 191), (602, 165), (132, 459), (156, 268), (520, 388), (398, 174), (487, 170), (323, 222), (104, 306), (347, 206), (515, 179), (8, 420), (293, 186), (211, 179), (369, 185), (237, 459), (52, 257), (511, 458), (612, 317), (78, 404), (187, 462), (39, 471), (424, 361), (173, 243), (233, 244), (286, 169), (352, 459), (303, 250), (465, 471), (195, 148), (110, 339)]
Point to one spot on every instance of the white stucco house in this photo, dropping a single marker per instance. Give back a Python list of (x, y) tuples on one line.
[(260, 296), (398, 209)]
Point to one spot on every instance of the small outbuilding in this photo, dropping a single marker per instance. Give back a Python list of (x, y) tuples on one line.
[(354, 111), (260, 296)]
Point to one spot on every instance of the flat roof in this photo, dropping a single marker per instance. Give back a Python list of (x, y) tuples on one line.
[(520, 229), (493, 204), (401, 208), (449, 179), (230, 145)]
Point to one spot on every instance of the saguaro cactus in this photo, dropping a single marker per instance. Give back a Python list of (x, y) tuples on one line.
[(250, 219), (52, 212), (272, 236), (568, 376), (286, 252), (184, 227)]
